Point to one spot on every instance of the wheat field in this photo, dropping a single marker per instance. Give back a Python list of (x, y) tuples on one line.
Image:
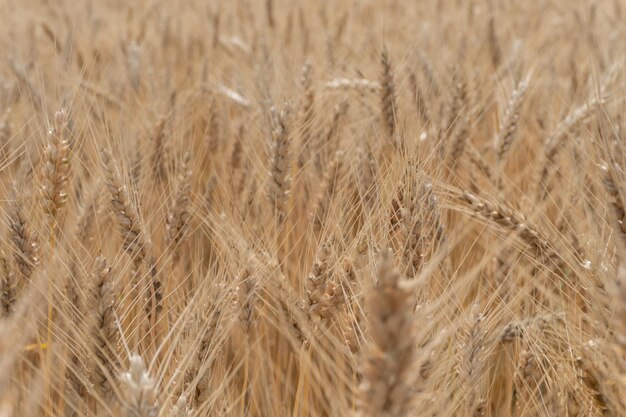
[(367, 208)]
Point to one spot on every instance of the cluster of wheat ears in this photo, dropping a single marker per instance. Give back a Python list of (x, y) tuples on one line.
[(312, 208)]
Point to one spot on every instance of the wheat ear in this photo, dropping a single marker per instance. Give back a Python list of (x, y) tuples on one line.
[(105, 336), (386, 388), (24, 239), (135, 241), (177, 219), (280, 171), (139, 390), (388, 96), (56, 166)]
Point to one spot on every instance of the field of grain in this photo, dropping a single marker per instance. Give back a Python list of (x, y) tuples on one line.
[(367, 208)]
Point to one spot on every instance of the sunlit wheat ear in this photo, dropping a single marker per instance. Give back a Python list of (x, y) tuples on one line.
[(139, 391), (24, 239), (104, 328), (386, 388), (56, 166), (177, 219), (135, 241)]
